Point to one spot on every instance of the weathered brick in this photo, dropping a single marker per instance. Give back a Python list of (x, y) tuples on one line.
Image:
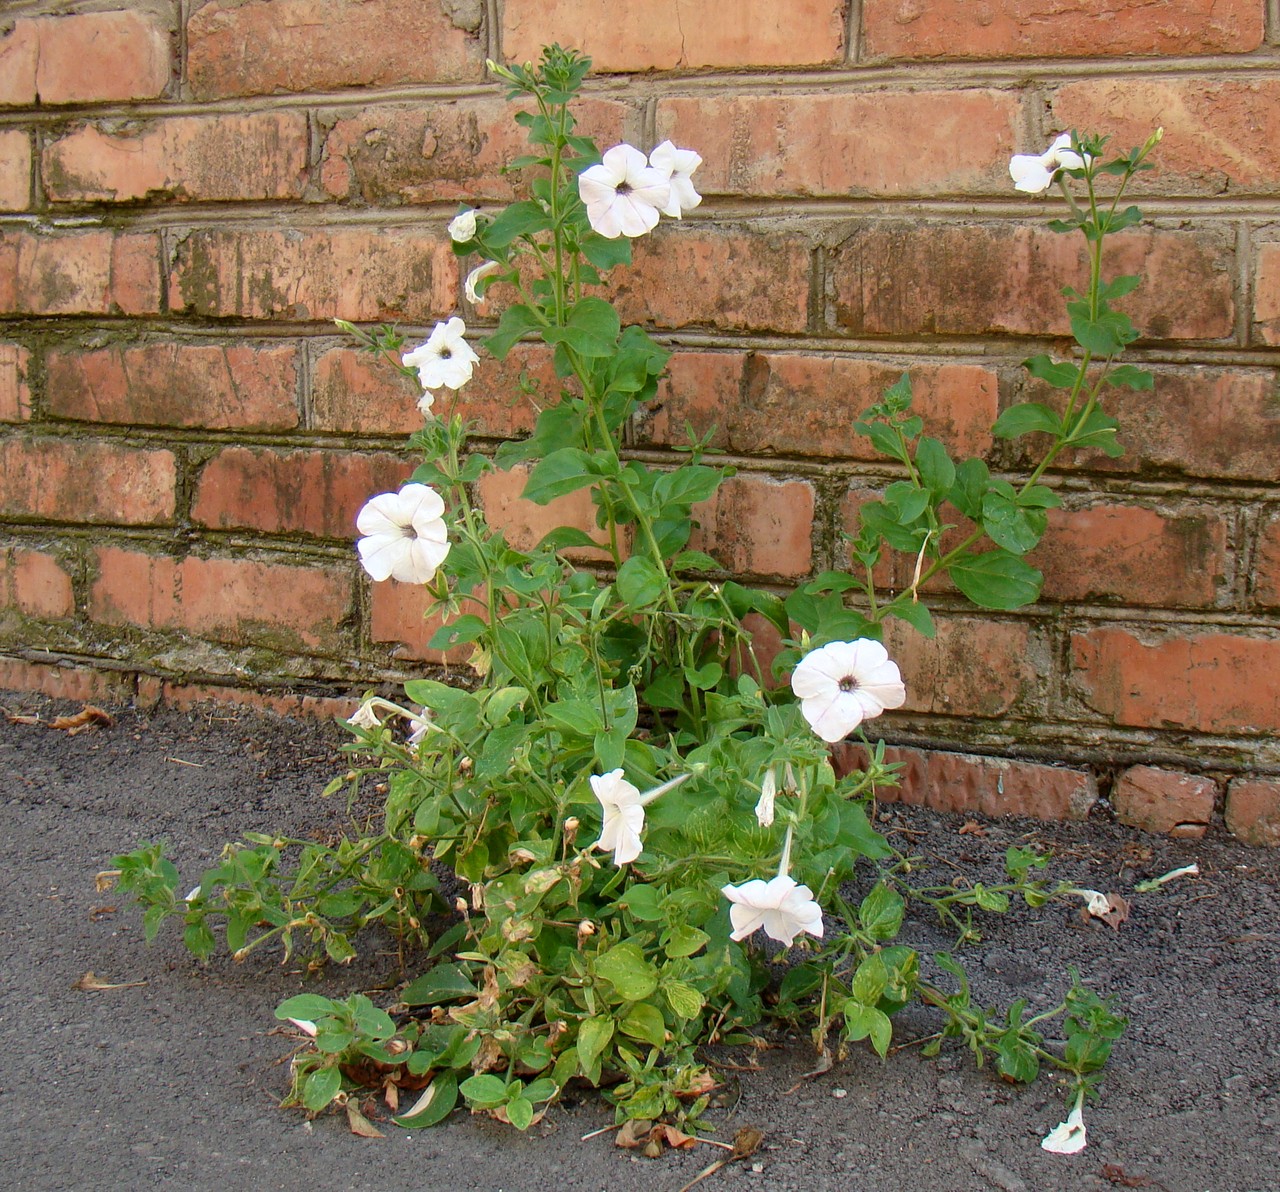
[(15, 170), (1266, 294), (963, 783), (227, 386), (664, 35), (35, 584), (240, 601), (263, 47), (15, 393), (862, 143), (252, 155), (1253, 811), (84, 57), (391, 155), (525, 523), (1220, 423), (912, 277), (730, 277), (359, 274), (71, 273), (397, 617), (81, 684), (1219, 134), (185, 696), (786, 404), (72, 480), (1266, 563), (974, 666), (1165, 801), (1211, 682), (1034, 29), (758, 525), (1134, 555), (292, 492)]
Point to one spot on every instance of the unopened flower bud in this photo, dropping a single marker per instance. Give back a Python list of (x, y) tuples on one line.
[(460, 905), (586, 929)]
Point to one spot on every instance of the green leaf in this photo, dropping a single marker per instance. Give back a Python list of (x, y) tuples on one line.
[(1016, 1060), (862, 1022), (937, 470), (639, 582), (307, 1006), (593, 1037), (687, 485), (1025, 418), (644, 902), (466, 628), (581, 717), (1118, 287), (1059, 374), (917, 615), (484, 1090), (869, 980), (604, 253), (645, 1022), (626, 969), (435, 1104), (516, 321), (519, 219), (561, 472), (685, 1001), (320, 1087), (685, 941), (520, 1112), (591, 329), (1098, 429), (1130, 377), (444, 983), (881, 912), (972, 480), (1010, 525), (996, 579)]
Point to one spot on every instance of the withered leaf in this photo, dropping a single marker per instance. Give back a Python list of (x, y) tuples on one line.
[(971, 828), (92, 983), (88, 717), (360, 1124)]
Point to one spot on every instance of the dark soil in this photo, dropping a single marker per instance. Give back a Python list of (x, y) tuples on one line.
[(174, 1083)]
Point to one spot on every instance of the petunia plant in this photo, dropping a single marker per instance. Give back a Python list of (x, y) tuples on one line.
[(634, 807)]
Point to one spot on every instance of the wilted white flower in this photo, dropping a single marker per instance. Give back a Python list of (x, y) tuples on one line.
[(1034, 174), (445, 359), (422, 725), (405, 535), (1097, 903), (768, 792), (783, 908), (477, 275), (365, 715), (624, 194), (623, 806), (462, 227), (844, 683), (678, 165), (1067, 1137)]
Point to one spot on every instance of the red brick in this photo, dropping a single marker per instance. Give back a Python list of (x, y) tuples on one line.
[(912, 277), (663, 35), (292, 492), (73, 273), (1253, 811), (255, 155), (806, 405), (1266, 294), (84, 58), (74, 480), (397, 617), (15, 393), (1034, 29), (396, 154), (860, 143), (962, 783), (240, 601), (1266, 564), (758, 525), (973, 667), (35, 584), (1219, 134), (1134, 555), (729, 277), (525, 524), (1164, 801), (359, 274), (81, 684), (264, 47), (186, 696), (15, 170), (237, 386), (1210, 682), (1211, 422)]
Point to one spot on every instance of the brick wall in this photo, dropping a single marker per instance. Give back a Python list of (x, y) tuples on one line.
[(190, 191)]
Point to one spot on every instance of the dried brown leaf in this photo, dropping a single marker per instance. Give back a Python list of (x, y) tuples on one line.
[(633, 1134), (88, 717), (1117, 912), (360, 1124), (92, 983), (971, 828)]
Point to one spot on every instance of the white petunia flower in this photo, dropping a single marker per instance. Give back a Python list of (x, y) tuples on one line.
[(623, 806), (405, 535), (421, 727), (445, 359), (768, 792), (462, 227), (678, 165), (1033, 174), (783, 908), (365, 716), (624, 194), (844, 683), (1067, 1137), (476, 276)]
